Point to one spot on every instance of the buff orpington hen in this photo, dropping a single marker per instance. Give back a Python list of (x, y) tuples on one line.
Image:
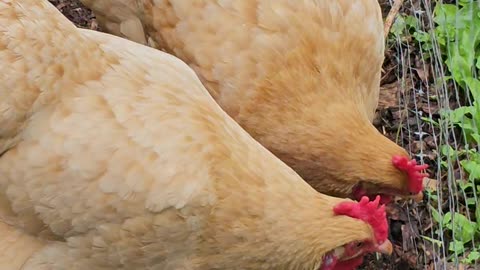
[(118, 151), (302, 77)]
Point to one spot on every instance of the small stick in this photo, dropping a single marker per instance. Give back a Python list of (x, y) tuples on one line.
[(391, 17)]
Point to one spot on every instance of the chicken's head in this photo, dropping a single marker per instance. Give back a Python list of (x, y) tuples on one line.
[(350, 256), (403, 164), (414, 172)]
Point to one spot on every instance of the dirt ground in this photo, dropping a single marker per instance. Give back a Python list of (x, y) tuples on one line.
[(397, 118)]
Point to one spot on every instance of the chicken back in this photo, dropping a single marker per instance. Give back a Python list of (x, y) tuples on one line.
[(302, 77), (118, 151)]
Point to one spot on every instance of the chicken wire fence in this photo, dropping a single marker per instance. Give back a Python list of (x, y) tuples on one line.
[(435, 59)]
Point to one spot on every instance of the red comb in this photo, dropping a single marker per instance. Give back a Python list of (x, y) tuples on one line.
[(368, 211), (415, 176)]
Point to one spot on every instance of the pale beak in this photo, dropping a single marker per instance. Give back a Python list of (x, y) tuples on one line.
[(418, 197), (385, 248)]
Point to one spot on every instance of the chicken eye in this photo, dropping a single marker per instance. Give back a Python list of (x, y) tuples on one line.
[(359, 245)]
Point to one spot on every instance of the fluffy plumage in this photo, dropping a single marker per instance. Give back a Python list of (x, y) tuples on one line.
[(16, 247), (118, 151), (302, 77)]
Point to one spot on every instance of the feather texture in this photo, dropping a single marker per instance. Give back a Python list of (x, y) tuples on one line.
[(118, 151), (302, 77)]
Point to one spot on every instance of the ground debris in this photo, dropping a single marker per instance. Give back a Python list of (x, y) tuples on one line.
[(76, 12)]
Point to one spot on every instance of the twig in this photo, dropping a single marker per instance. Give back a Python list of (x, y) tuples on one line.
[(391, 16)]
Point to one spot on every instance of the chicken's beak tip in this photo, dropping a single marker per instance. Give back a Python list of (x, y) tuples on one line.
[(385, 248)]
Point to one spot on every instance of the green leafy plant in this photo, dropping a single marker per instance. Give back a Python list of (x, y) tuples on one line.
[(406, 27), (457, 33)]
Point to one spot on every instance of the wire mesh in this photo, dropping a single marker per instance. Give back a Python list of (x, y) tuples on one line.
[(425, 60)]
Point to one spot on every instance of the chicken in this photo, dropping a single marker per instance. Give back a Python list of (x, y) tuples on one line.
[(302, 77), (119, 151), (16, 247)]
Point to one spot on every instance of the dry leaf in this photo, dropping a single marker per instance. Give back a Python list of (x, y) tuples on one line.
[(430, 184), (389, 97)]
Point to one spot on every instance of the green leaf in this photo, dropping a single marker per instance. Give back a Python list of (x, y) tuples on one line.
[(465, 185), (412, 22), (444, 164), (463, 229), (458, 115), (458, 34), (471, 201), (421, 36), (398, 26), (448, 151), (476, 137), (474, 87), (472, 257), (472, 167), (463, 2), (456, 246), (436, 215), (458, 65), (446, 220), (444, 14)]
